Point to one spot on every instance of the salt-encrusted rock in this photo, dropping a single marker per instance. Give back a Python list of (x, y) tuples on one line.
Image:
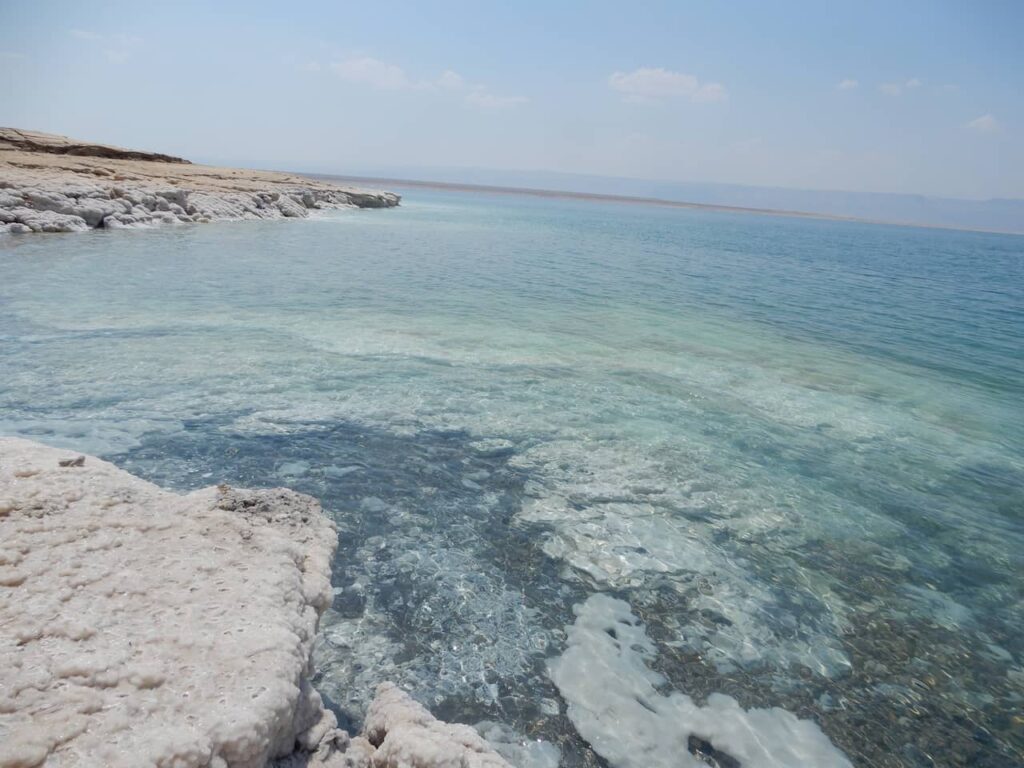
[(46, 205), (45, 221), (406, 735), (43, 189), (141, 628)]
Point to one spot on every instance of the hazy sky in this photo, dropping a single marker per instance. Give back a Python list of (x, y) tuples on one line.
[(895, 96)]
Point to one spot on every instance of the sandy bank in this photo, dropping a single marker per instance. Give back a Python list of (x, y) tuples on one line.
[(140, 627), (54, 184)]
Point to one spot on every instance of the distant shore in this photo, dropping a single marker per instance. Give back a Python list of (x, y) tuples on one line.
[(51, 183), (641, 200)]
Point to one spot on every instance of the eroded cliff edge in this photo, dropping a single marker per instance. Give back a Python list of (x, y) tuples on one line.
[(52, 183), (140, 627)]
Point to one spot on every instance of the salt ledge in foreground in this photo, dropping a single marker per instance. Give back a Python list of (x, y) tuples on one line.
[(140, 627)]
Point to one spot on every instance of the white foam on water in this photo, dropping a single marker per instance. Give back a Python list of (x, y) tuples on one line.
[(614, 702)]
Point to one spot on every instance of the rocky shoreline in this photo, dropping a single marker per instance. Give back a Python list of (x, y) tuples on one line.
[(142, 627), (55, 184)]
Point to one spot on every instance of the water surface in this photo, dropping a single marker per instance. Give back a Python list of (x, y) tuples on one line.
[(795, 448)]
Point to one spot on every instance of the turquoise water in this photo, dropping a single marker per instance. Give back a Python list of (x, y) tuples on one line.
[(795, 448)]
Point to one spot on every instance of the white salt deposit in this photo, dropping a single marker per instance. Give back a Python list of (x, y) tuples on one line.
[(406, 735), (139, 627), (614, 702), (142, 628), (44, 188)]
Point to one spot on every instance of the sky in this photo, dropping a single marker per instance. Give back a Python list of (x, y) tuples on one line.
[(911, 97)]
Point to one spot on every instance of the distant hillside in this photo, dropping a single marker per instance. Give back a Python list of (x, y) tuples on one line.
[(37, 141)]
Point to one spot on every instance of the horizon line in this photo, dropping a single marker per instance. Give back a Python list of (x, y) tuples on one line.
[(658, 201)]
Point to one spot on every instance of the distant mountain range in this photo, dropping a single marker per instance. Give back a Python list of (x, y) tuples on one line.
[(1000, 215)]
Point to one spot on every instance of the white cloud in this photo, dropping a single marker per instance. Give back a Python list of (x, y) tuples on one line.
[(985, 124), (482, 98), (847, 85), (476, 95), (116, 48), (656, 83), (653, 83), (365, 70), (710, 92), (896, 88), (451, 81), (747, 145), (375, 73), (301, 63)]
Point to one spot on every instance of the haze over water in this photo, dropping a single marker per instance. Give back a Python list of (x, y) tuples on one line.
[(795, 448)]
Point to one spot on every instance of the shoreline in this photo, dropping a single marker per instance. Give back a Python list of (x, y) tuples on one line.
[(54, 184), (597, 197)]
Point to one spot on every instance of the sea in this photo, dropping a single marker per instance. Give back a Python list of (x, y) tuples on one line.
[(621, 485)]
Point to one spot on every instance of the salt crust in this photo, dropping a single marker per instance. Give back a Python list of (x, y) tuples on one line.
[(51, 183), (406, 735), (58, 202), (140, 627), (615, 705)]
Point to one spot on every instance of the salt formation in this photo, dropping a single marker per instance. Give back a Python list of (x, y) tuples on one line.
[(53, 184), (615, 705), (140, 627), (406, 735), (48, 205)]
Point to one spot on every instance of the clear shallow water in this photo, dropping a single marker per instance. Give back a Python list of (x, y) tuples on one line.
[(795, 448)]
